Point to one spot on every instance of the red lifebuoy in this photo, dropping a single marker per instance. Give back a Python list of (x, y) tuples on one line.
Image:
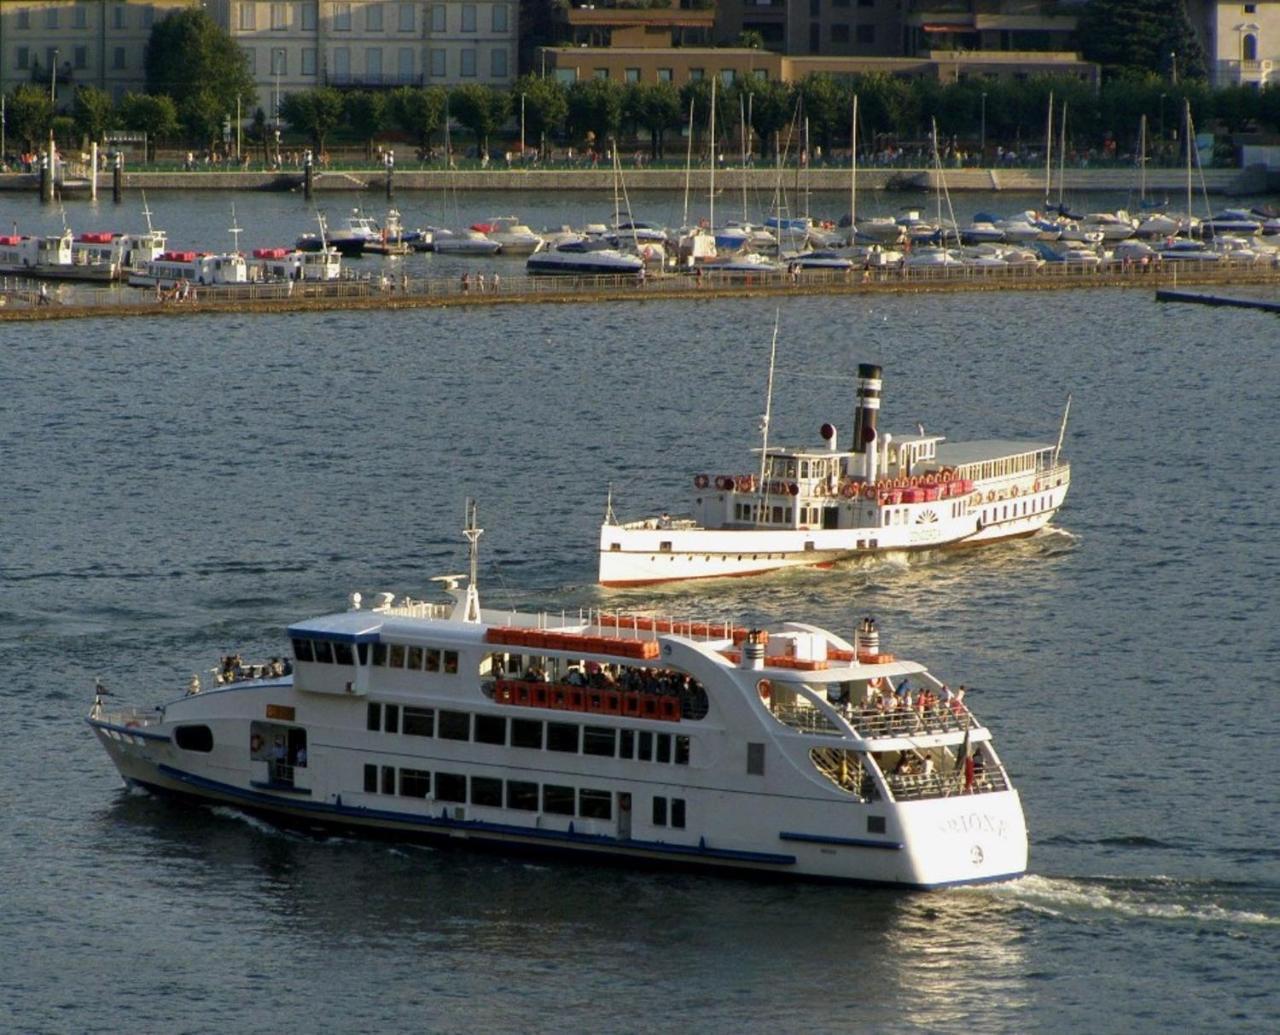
[(849, 490), (701, 481)]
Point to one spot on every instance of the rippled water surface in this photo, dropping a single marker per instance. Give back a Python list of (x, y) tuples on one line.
[(181, 488)]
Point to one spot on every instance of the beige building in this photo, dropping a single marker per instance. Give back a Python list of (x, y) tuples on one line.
[(297, 45), (1243, 43), (62, 44), (865, 28)]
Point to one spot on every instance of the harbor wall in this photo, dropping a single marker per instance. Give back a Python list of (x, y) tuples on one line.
[(1253, 180)]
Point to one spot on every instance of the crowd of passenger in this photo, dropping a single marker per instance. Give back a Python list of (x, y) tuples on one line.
[(907, 709), (233, 669), (625, 679)]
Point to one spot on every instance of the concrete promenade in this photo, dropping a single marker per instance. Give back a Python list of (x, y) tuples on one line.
[(22, 302), (1172, 182)]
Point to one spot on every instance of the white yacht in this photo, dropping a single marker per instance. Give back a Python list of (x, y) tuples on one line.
[(468, 243), (777, 751), (513, 237), (583, 256), (816, 506)]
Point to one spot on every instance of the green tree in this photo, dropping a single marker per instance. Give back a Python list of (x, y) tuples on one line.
[(418, 111), (367, 115), (313, 112), (695, 97), (595, 109), (546, 106), (29, 115), (190, 58), (481, 109), (1135, 37), (157, 117), (656, 107), (769, 107), (93, 112), (824, 106)]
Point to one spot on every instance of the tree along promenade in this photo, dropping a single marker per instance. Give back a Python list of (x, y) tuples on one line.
[(23, 301)]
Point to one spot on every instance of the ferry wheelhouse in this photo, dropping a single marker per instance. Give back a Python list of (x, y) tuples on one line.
[(815, 507), (121, 252), (273, 264), (786, 751), (198, 268)]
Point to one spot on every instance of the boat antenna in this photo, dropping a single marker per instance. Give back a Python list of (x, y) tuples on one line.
[(235, 231), (768, 403), (146, 212), (609, 518), (1062, 431), (471, 608)]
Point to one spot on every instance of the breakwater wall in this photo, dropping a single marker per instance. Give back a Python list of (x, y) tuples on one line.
[(22, 301), (1253, 180)]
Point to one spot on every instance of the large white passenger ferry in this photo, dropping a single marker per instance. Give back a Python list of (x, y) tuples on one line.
[(788, 750), (814, 507)]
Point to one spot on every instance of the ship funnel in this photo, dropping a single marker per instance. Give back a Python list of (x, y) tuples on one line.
[(867, 410), (829, 436), (867, 639), (753, 649)]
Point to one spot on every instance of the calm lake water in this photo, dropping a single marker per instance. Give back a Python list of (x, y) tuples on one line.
[(179, 489)]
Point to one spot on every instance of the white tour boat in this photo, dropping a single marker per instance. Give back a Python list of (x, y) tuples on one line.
[(51, 257), (276, 264), (779, 751), (813, 507), (201, 269)]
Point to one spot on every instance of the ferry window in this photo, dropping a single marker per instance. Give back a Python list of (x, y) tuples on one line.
[(343, 655), (396, 659), (682, 750), (626, 743), (595, 804), (371, 779), (557, 799), (420, 722), (388, 779), (777, 515), (455, 725), (415, 783), (598, 740), (324, 652), (526, 733), (804, 468), (392, 717), (522, 795), (491, 729), (451, 787), (562, 736), (659, 811), (875, 824), (451, 662), (415, 658), (664, 747), (302, 650), (373, 717), (486, 790), (645, 754), (433, 660), (362, 652), (194, 738), (755, 760), (677, 812)]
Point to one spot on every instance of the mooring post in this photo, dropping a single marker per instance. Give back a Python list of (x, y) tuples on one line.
[(390, 161), (308, 174), (117, 178)]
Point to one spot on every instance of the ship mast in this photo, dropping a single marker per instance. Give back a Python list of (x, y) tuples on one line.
[(768, 408), (471, 605)]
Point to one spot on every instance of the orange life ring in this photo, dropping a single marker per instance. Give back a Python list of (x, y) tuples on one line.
[(1014, 492), (849, 490), (765, 689), (875, 682), (723, 482), (701, 481), (255, 743), (869, 491), (991, 496)]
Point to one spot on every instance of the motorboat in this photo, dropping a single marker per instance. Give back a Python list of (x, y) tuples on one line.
[(582, 256), (467, 243), (1238, 222), (512, 235), (772, 750), (818, 505), (747, 264)]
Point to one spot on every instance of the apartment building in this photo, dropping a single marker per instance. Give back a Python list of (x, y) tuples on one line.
[(864, 28), (62, 44), (297, 45), (1243, 43)]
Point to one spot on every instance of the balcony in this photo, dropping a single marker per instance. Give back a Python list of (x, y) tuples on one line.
[(1244, 73), (41, 74), (373, 80)]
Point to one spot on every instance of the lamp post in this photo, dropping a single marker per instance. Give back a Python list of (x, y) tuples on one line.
[(1173, 66), (53, 78), (522, 127), (982, 135), (1162, 96)]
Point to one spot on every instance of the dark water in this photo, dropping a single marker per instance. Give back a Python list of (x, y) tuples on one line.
[(175, 490)]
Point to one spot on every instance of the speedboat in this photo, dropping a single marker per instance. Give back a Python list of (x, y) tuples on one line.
[(583, 256), (1236, 221), (748, 264), (512, 235), (820, 260), (611, 737), (468, 243)]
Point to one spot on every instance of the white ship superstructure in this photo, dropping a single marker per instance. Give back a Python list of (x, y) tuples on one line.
[(817, 506), (788, 751)]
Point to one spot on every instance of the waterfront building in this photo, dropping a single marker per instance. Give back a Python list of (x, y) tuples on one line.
[(1243, 43)]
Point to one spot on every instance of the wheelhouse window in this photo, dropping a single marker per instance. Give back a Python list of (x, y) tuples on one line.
[(194, 738), (415, 783), (451, 787)]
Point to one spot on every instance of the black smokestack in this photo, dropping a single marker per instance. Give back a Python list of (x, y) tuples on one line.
[(867, 410)]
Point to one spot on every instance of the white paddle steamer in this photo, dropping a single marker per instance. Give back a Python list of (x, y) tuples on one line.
[(814, 507), (781, 751)]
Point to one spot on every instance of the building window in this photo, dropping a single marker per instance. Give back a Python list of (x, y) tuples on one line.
[(840, 33), (341, 17), (600, 73), (309, 68), (117, 58), (1250, 8), (566, 76), (373, 63), (51, 18), (373, 18), (405, 64), (498, 63), (79, 17), (308, 19), (406, 21), (24, 18), (866, 3), (664, 75), (632, 75), (727, 77), (866, 34), (815, 37), (1250, 51), (24, 58), (501, 18), (468, 17), (248, 16), (467, 59), (279, 17), (119, 17), (438, 19), (437, 62), (279, 61), (341, 70)]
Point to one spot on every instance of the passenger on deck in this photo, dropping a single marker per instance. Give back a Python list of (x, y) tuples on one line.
[(957, 701), (576, 676), (664, 521)]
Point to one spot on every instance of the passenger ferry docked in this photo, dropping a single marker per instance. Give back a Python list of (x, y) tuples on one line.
[(782, 751), (814, 507)]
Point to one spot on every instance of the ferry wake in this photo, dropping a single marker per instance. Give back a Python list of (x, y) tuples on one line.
[(785, 750), (816, 506)]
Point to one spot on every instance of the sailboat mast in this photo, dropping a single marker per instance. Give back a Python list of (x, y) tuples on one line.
[(688, 166), (768, 407), (711, 204), (1048, 154), (1142, 161), (742, 114), (1062, 155), (1189, 134), (853, 174)]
